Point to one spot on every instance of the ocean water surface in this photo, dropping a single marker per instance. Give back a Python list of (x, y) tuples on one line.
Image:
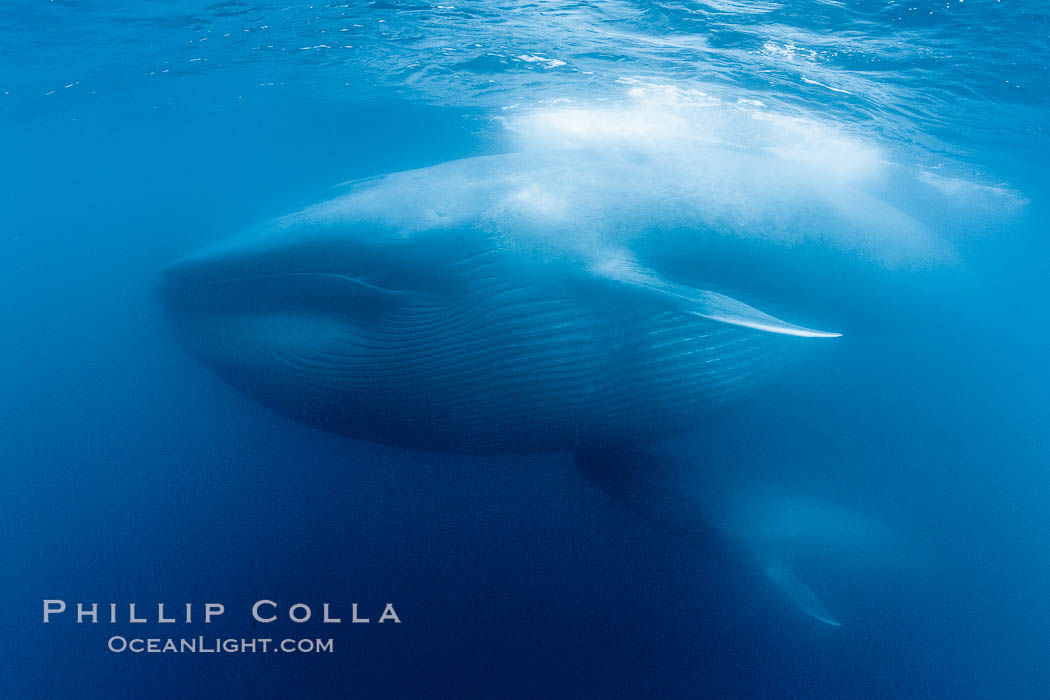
[(914, 448)]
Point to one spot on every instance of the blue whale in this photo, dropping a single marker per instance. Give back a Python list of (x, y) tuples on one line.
[(516, 303), (535, 302)]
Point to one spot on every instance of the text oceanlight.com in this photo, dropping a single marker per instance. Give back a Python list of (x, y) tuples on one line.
[(182, 615), (217, 645)]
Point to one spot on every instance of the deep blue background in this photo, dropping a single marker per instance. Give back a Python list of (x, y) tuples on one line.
[(131, 474)]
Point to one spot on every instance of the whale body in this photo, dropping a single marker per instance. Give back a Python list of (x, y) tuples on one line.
[(515, 303), (588, 302)]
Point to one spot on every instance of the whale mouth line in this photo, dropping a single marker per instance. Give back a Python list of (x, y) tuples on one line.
[(249, 279), (316, 291)]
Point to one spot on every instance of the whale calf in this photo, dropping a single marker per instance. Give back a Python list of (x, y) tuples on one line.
[(529, 302)]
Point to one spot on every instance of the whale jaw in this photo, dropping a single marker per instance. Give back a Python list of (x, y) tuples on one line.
[(499, 368)]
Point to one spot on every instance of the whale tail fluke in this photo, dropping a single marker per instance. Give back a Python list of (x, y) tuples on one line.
[(798, 593), (649, 485)]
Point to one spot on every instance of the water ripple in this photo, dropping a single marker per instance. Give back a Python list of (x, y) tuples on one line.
[(949, 76)]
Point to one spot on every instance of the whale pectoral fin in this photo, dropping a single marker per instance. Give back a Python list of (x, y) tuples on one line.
[(725, 309), (699, 302), (800, 595)]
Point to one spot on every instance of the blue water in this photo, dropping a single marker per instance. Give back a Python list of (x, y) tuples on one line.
[(132, 133)]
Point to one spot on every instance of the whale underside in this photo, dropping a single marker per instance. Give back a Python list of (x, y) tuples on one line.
[(503, 369)]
